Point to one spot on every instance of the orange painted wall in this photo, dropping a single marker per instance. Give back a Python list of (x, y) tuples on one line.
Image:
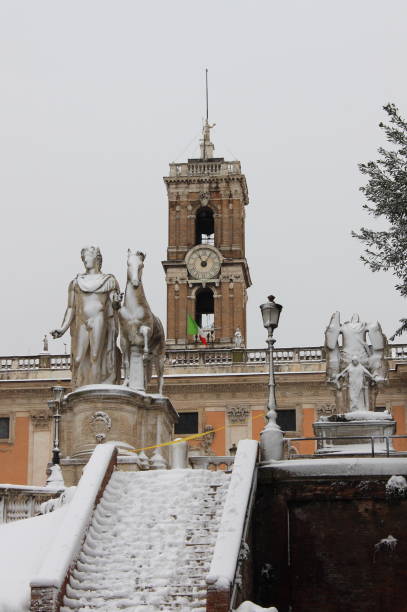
[(258, 423), (399, 415), (308, 446), (14, 457), (217, 419)]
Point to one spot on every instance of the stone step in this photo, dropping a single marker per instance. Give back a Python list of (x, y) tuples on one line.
[(118, 573)]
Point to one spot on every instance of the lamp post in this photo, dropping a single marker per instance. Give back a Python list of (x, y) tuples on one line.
[(271, 438), (55, 406)]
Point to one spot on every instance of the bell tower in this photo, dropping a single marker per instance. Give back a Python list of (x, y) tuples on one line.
[(206, 271)]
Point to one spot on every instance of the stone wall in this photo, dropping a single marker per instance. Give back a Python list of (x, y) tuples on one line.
[(321, 544)]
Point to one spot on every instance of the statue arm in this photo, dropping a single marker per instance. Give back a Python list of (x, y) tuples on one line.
[(69, 313), (342, 374), (332, 332), (366, 371)]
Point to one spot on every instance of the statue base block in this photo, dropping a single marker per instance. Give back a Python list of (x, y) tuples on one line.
[(348, 441), (113, 413)]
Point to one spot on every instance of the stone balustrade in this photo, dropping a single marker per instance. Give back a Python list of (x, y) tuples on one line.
[(20, 502), (210, 462), (216, 166), (197, 357)]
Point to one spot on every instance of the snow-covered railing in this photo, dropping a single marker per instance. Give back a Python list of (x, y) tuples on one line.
[(209, 462), (196, 357), (375, 445), (21, 501), (48, 585), (229, 356), (233, 525)]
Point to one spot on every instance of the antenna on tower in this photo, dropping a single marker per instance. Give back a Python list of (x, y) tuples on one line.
[(207, 96), (206, 145)]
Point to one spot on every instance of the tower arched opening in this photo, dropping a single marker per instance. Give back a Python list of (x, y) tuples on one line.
[(204, 226), (205, 309)]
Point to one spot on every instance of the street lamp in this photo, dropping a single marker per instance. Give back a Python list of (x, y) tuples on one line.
[(55, 406), (271, 440)]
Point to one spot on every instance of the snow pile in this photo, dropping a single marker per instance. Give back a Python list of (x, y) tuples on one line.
[(368, 415), (55, 479), (56, 502), (150, 543), (65, 547), (248, 606), (386, 544), (24, 544), (396, 486), (225, 557)]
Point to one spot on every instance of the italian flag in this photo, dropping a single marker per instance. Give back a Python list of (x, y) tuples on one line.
[(193, 329)]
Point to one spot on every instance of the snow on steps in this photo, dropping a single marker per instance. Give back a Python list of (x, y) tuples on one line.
[(150, 543)]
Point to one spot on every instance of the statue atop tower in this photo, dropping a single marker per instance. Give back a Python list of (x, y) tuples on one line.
[(207, 147)]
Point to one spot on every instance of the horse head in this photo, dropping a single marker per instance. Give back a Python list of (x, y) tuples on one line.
[(135, 265)]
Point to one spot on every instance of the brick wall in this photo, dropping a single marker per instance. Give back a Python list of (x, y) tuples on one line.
[(317, 546)]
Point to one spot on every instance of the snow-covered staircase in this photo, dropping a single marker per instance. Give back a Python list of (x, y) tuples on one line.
[(150, 543)]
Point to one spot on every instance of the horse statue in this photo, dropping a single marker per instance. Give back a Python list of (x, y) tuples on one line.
[(141, 332)]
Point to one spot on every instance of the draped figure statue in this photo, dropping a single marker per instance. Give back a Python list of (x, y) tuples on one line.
[(355, 362), (93, 301)]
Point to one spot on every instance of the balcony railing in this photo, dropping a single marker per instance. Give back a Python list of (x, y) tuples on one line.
[(208, 356), (204, 168), (197, 357), (20, 502)]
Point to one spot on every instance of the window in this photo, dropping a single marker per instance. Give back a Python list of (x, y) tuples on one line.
[(4, 428), (204, 226), (187, 424), (287, 420)]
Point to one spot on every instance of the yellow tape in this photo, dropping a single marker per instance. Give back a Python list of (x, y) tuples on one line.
[(192, 437)]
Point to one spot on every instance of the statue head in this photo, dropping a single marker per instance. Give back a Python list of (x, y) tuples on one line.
[(355, 318), (355, 360), (135, 265), (91, 257)]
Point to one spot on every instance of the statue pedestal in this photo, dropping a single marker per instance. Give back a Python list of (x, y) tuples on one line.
[(112, 413), (354, 445)]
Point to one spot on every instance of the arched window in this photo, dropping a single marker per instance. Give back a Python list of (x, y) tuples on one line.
[(204, 309), (204, 226)]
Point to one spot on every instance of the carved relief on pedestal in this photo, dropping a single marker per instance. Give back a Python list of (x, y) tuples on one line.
[(238, 414), (100, 423), (326, 410)]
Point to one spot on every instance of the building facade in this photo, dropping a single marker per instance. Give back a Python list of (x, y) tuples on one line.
[(213, 389), (219, 390)]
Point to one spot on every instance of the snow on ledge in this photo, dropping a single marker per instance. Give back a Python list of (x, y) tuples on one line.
[(227, 547), (336, 466), (249, 606), (68, 540), (24, 545), (368, 415)]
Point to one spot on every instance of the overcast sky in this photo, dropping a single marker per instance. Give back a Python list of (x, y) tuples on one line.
[(97, 97)]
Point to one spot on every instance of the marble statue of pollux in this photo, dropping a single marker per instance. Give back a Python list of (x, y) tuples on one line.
[(93, 301)]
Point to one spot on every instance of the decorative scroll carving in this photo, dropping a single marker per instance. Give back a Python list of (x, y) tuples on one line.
[(41, 420), (204, 198), (326, 410), (100, 423), (238, 414)]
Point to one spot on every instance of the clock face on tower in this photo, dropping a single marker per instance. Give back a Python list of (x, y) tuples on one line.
[(203, 262)]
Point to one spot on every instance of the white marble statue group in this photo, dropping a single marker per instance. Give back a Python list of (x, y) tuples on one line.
[(355, 369), (95, 314)]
